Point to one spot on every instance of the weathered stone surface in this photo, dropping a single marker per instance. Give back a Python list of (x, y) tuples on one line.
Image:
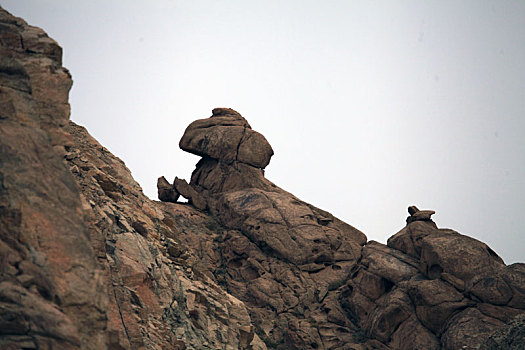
[(391, 310), (514, 275), (435, 302), (86, 261), (491, 289), (194, 198), (288, 227), (446, 304), (226, 136), (411, 334), (502, 313), (387, 263), (509, 337), (166, 192), (161, 294), (461, 256), (55, 294), (419, 215), (409, 239), (469, 329), (89, 262)]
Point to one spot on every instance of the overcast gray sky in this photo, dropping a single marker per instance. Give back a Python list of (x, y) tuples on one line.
[(370, 106)]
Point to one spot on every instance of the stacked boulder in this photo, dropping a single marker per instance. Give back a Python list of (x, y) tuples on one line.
[(432, 288), (226, 143), (283, 257), (227, 136), (312, 281)]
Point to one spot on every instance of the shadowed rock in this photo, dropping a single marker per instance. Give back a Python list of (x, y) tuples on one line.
[(166, 192)]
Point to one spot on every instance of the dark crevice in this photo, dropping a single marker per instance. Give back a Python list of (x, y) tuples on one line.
[(239, 144)]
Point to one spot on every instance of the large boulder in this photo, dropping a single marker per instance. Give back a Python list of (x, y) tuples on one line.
[(227, 136), (469, 329), (433, 288)]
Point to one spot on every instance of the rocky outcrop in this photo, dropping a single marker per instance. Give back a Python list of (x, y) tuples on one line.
[(227, 136), (510, 337), (161, 295), (432, 286), (281, 256), (427, 288), (87, 261), (51, 289)]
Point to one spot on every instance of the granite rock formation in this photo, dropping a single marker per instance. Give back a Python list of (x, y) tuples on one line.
[(87, 261), (427, 288)]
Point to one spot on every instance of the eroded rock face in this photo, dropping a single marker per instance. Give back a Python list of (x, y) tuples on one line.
[(412, 292), (431, 286), (227, 136), (86, 260), (161, 295), (89, 262), (283, 257), (51, 292)]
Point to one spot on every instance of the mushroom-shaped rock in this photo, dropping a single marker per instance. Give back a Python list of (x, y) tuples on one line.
[(227, 136)]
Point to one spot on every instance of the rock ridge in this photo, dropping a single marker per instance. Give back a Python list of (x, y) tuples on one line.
[(87, 261), (427, 288)]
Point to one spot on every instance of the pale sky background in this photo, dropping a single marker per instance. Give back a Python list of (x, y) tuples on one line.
[(370, 106)]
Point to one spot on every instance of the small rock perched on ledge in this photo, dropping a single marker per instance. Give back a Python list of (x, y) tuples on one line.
[(419, 215), (180, 187)]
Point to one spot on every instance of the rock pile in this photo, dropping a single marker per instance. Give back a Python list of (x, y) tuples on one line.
[(427, 288), (432, 288)]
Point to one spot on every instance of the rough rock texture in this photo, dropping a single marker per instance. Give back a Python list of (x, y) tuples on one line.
[(511, 337), (310, 281), (160, 293), (51, 289), (227, 136), (432, 286), (87, 261)]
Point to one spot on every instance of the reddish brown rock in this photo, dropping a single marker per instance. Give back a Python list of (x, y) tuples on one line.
[(50, 280), (469, 329), (411, 334), (89, 262), (393, 266), (166, 192), (161, 294), (435, 301), (391, 310), (226, 136), (409, 239), (194, 198), (86, 261), (459, 255), (450, 300)]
